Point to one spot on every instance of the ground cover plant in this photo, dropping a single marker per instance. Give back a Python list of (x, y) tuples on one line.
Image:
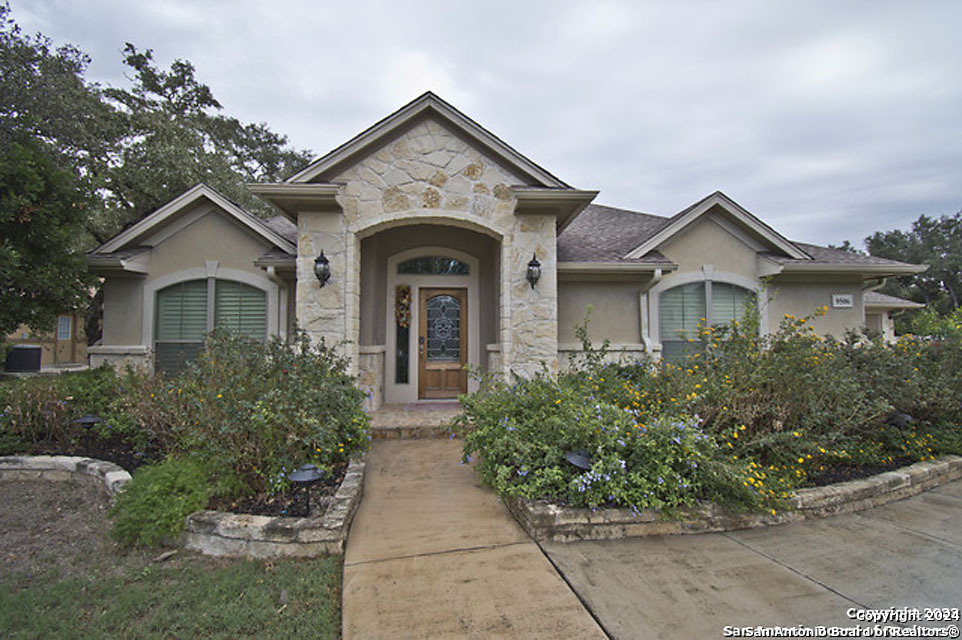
[(744, 420), (230, 426)]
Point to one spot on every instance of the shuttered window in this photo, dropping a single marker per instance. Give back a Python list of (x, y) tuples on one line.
[(240, 308), (728, 303), (684, 307), (181, 321)]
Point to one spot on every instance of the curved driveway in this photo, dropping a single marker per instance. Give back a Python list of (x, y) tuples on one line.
[(903, 554)]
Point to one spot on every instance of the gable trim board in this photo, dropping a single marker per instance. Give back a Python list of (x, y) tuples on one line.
[(429, 180)]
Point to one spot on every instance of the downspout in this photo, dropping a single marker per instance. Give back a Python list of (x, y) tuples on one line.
[(282, 300), (643, 310)]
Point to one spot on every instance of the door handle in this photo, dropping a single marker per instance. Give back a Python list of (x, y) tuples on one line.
[(421, 344)]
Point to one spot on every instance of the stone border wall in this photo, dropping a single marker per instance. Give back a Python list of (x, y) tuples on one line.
[(544, 521), (60, 468), (217, 533)]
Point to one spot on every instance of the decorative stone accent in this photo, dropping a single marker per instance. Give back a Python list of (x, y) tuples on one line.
[(370, 377), (216, 533), (60, 468), (544, 521)]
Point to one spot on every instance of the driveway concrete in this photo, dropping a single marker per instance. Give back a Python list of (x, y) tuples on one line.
[(904, 554), (432, 554)]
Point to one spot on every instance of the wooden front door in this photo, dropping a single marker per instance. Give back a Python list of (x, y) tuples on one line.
[(442, 343)]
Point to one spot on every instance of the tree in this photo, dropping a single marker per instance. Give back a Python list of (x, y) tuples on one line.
[(936, 242), (42, 269), (178, 139)]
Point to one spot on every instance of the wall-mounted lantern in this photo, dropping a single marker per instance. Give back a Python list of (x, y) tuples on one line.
[(534, 270), (322, 268)]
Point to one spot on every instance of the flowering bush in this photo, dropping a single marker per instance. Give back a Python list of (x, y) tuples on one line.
[(524, 431), (744, 420), (253, 411)]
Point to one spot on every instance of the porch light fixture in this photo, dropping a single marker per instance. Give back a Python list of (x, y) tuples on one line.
[(322, 268), (534, 270)]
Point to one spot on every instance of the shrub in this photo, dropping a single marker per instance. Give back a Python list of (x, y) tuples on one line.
[(38, 414), (522, 432), (252, 411), (153, 506)]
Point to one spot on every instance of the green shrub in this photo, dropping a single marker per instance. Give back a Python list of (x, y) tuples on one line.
[(522, 432), (153, 506), (253, 411), (38, 413)]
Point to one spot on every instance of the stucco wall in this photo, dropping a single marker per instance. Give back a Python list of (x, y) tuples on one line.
[(123, 310), (212, 237), (801, 299), (705, 242), (614, 311)]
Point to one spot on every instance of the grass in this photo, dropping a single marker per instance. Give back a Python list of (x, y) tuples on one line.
[(183, 598)]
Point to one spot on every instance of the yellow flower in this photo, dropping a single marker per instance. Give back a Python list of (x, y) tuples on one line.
[(558, 401), (801, 460), (220, 395)]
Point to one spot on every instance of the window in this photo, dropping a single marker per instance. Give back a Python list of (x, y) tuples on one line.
[(183, 317), (64, 326), (707, 303), (434, 266)]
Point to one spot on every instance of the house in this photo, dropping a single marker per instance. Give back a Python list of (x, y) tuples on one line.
[(426, 243), (64, 345)]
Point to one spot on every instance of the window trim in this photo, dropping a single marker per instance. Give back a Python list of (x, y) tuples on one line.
[(707, 273), (276, 296)]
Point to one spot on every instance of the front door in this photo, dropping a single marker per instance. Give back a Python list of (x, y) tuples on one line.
[(442, 343)]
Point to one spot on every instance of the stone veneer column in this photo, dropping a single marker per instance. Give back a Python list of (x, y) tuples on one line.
[(529, 317), (323, 312)]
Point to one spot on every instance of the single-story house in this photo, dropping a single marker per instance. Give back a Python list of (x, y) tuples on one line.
[(426, 243), (64, 345)]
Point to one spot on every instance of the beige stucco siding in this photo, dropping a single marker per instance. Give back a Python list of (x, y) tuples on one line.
[(802, 299), (705, 242), (123, 311), (212, 237), (614, 311)]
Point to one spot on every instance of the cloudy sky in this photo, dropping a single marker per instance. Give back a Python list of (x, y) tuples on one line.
[(828, 119)]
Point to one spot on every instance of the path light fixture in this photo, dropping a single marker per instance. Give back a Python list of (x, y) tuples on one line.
[(534, 270), (86, 423), (322, 268), (579, 459), (306, 476)]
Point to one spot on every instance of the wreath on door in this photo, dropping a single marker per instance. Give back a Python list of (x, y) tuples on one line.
[(402, 305)]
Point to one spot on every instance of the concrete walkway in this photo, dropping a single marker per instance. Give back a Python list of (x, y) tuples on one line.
[(432, 554), (903, 554)]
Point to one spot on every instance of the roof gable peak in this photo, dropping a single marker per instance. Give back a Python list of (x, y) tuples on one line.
[(687, 216), (426, 105), (163, 216)]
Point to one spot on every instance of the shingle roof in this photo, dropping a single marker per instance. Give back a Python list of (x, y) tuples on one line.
[(825, 255), (282, 227), (607, 234), (876, 299)]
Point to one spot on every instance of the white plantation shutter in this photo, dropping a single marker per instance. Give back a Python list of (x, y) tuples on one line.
[(682, 308), (240, 308), (181, 318), (180, 324), (729, 302)]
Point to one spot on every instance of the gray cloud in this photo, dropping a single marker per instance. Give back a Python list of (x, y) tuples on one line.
[(828, 120)]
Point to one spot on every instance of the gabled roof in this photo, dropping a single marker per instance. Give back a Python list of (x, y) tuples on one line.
[(607, 234), (684, 218), (426, 104), (876, 300), (154, 222)]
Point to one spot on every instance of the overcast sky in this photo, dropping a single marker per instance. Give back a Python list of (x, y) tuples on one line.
[(828, 120)]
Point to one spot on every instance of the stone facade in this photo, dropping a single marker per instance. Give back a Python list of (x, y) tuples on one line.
[(429, 175)]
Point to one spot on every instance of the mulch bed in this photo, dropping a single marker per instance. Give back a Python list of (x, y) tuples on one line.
[(840, 473), (122, 454)]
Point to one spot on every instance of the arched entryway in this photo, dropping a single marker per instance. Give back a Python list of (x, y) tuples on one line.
[(428, 308)]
